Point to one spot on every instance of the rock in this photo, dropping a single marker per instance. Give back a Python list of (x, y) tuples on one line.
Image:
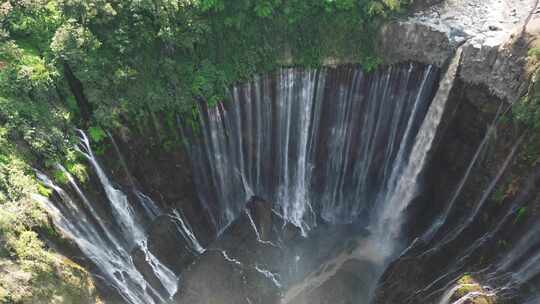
[(220, 277), (467, 286), (417, 5), (261, 212), (497, 60), (345, 286), (500, 68), (146, 270), (168, 245), (236, 266), (411, 41)]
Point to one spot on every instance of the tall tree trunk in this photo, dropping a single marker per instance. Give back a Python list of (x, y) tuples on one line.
[(77, 89)]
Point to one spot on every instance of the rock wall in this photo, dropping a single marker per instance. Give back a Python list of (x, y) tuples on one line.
[(494, 49), (495, 72)]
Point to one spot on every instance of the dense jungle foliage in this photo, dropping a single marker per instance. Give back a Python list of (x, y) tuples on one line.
[(103, 64)]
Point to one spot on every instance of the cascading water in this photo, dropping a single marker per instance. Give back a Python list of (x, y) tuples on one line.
[(319, 144), (403, 187), (101, 245), (335, 146), (187, 232), (109, 245), (123, 212)]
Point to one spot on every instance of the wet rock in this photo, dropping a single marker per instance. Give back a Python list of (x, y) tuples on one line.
[(234, 269), (347, 285), (220, 277), (168, 245), (396, 284), (471, 292), (261, 213), (139, 259), (258, 236)]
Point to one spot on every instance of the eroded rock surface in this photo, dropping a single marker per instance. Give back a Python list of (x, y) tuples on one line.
[(239, 266), (495, 36)]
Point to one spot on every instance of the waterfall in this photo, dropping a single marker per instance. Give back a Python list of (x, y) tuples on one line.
[(187, 232), (99, 239), (269, 275), (320, 145), (524, 257), (470, 297), (448, 208), (447, 296), (112, 259), (122, 209), (256, 230), (403, 186), (164, 274), (323, 146)]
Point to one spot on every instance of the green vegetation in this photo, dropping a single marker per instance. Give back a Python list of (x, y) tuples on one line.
[(508, 188), (468, 285), (29, 272), (103, 64), (527, 111), (520, 214), (106, 63)]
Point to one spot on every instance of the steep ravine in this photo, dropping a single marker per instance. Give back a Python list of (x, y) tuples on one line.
[(263, 203)]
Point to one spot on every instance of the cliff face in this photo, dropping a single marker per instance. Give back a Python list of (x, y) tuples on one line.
[(473, 164), (464, 177), (495, 37)]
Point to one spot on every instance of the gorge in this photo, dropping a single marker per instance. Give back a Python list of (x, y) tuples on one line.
[(416, 181)]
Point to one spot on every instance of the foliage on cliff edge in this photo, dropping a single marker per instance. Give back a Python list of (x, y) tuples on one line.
[(29, 271), (119, 61), (98, 64)]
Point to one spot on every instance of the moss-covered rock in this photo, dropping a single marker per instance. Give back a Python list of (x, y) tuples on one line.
[(30, 271), (475, 293), (66, 282)]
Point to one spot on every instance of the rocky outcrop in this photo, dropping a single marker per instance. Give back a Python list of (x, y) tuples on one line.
[(403, 41), (163, 174), (167, 243), (502, 69), (237, 267), (142, 265), (344, 285), (221, 278), (495, 71), (495, 38)]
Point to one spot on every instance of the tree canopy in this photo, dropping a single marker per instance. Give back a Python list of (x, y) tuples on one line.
[(101, 64), (111, 61)]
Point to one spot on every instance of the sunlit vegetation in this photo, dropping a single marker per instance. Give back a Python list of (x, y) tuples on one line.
[(29, 271), (102, 64), (112, 62), (527, 111)]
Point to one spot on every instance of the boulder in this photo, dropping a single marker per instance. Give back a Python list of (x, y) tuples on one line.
[(167, 243)]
